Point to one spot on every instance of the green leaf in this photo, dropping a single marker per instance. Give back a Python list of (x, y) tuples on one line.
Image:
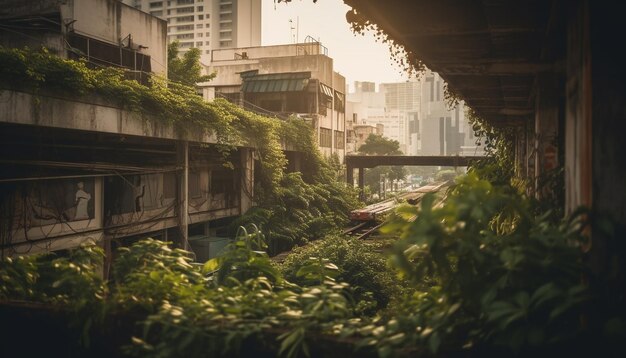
[(211, 265)]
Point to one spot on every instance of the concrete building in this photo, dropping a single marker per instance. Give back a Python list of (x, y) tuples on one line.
[(362, 131), (283, 80), (402, 96), (362, 102), (103, 32), (438, 130), (79, 168), (395, 125), (207, 24)]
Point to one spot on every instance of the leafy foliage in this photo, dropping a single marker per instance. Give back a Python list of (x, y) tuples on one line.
[(184, 309), (304, 205), (504, 278), (372, 282), (185, 69)]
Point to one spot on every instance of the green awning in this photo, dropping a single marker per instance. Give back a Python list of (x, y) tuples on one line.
[(276, 82)]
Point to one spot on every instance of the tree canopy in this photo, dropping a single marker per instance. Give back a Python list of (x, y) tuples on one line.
[(185, 69), (378, 145)]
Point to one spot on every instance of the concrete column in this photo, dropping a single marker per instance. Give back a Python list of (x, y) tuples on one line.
[(350, 175), (546, 128), (361, 182), (246, 196), (182, 152)]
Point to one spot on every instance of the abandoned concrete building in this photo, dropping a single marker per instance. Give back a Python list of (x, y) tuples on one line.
[(75, 170), (284, 80)]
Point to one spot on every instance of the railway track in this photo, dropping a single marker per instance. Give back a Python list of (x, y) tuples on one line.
[(365, 221), (368, 216)]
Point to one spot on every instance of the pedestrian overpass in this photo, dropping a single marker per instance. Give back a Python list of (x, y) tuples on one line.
[(370, 161)]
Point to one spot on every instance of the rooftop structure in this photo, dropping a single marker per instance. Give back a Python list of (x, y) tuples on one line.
[(284, 80)]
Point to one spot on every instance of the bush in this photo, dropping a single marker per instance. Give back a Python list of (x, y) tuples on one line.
[(360, 265)]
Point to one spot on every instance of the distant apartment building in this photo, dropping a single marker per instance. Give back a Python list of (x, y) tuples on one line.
[(402, 96), (362, 102), (284, 80), (395, 125), (362, 131), (207, 24), (364, 86), (440, 130)]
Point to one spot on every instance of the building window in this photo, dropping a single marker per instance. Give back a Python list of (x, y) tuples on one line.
[(208, 52), (226, 43), (199, 35), (156, 13), (184, 19), (340, 143), (431, 83), (200, 17), (184, 2), (326, 137), (199, 43), (184, 27), (200, 8), (186, 44), (184, 36), (339, 101), (156, 4), (208, 34), (184, 10), (198, 26)]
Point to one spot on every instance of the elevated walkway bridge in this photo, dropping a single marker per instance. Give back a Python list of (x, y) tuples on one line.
[(361, 162)]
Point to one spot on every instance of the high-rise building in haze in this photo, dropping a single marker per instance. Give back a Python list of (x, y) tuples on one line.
[(207, 24), (402, 96), (415, 114)]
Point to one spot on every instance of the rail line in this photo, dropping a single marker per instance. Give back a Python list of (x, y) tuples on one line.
[(367, 217)]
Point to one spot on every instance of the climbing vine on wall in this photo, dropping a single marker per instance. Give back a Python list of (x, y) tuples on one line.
[(319, 202)]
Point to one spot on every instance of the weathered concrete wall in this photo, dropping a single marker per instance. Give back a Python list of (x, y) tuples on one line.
[(44, 110), (112, 21)]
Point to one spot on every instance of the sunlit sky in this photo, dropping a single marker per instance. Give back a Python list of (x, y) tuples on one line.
[(358, 58)]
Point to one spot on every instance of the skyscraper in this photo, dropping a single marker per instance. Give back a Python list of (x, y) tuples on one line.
[(207, 24)]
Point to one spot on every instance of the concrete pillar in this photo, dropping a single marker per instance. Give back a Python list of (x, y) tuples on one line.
[(350, 175), (246, 196), (182, 152), (361, 183), (546, 128)]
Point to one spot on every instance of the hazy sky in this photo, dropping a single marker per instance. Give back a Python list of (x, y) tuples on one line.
[(358, 58)]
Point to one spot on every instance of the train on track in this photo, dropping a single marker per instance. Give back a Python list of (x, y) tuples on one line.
[(374, 211)]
